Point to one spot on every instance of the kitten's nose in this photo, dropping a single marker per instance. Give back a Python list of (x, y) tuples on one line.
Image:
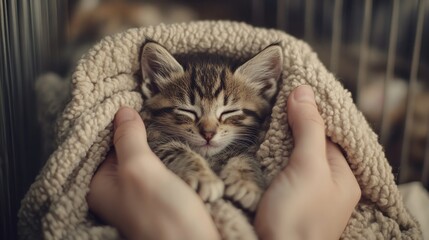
[(208, 135)]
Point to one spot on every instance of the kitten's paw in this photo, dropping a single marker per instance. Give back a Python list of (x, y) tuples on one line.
[(245, 192), (209, 186)]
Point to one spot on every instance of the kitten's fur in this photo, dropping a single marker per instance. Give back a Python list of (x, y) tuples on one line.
[(204, 118)]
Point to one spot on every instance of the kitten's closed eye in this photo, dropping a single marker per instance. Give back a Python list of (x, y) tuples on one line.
[(187, 112), (230, 113)]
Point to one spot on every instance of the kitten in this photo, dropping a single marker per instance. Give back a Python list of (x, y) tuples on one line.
[(204, 118)]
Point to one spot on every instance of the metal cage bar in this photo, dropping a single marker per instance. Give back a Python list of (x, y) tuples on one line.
[(391, 55), (363, 59), (27, 47), (336, 35), (309, 20), (258, 10), (425, 172), (411, 91), (282, 7)]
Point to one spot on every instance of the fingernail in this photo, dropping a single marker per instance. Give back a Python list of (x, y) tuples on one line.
[(124, 114), (303, 93)]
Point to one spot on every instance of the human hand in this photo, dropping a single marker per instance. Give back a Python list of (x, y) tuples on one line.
[(133, 191), (314, 195)]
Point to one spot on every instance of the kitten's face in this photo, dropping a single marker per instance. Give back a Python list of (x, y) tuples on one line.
[(207, 105)]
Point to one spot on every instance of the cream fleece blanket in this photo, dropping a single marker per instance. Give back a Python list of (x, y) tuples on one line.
[(105, 79)]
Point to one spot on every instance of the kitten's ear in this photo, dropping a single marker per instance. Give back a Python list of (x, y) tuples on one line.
[(158, 65), (263, 70)]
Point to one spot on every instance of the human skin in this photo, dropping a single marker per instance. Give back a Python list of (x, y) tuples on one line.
[(312, 198), (314, 195)]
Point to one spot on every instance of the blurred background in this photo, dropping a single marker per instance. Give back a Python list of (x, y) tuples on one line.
[(377, 48)]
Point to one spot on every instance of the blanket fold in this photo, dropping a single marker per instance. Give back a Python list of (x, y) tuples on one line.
[(106, 78)]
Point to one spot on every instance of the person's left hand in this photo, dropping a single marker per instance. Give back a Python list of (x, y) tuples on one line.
[(133, 191)]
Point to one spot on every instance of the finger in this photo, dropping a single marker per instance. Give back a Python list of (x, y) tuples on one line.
[(109, 164), (130, 137), (100, 185), (307, 126), (340, 169), (336, 160)]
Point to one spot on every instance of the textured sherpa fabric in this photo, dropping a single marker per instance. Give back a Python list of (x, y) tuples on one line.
[(106, 78)]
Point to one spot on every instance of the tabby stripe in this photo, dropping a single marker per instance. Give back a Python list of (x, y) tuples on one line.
[(221, 85), (192, 97), (252, 113), (171, 157), (165, 153), (225, 99), (168, 160), (200, 92), (194, 85), (144, 97), (161, 111)]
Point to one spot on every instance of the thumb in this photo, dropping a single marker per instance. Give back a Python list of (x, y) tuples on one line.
[(130, 138), (307, 127)]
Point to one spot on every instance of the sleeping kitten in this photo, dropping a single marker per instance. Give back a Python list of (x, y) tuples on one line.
[(204, 118)]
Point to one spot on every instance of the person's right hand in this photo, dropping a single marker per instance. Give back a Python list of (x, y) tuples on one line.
[(314, 195)]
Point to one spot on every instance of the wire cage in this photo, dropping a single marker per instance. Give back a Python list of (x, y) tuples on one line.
[(376, 48)]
